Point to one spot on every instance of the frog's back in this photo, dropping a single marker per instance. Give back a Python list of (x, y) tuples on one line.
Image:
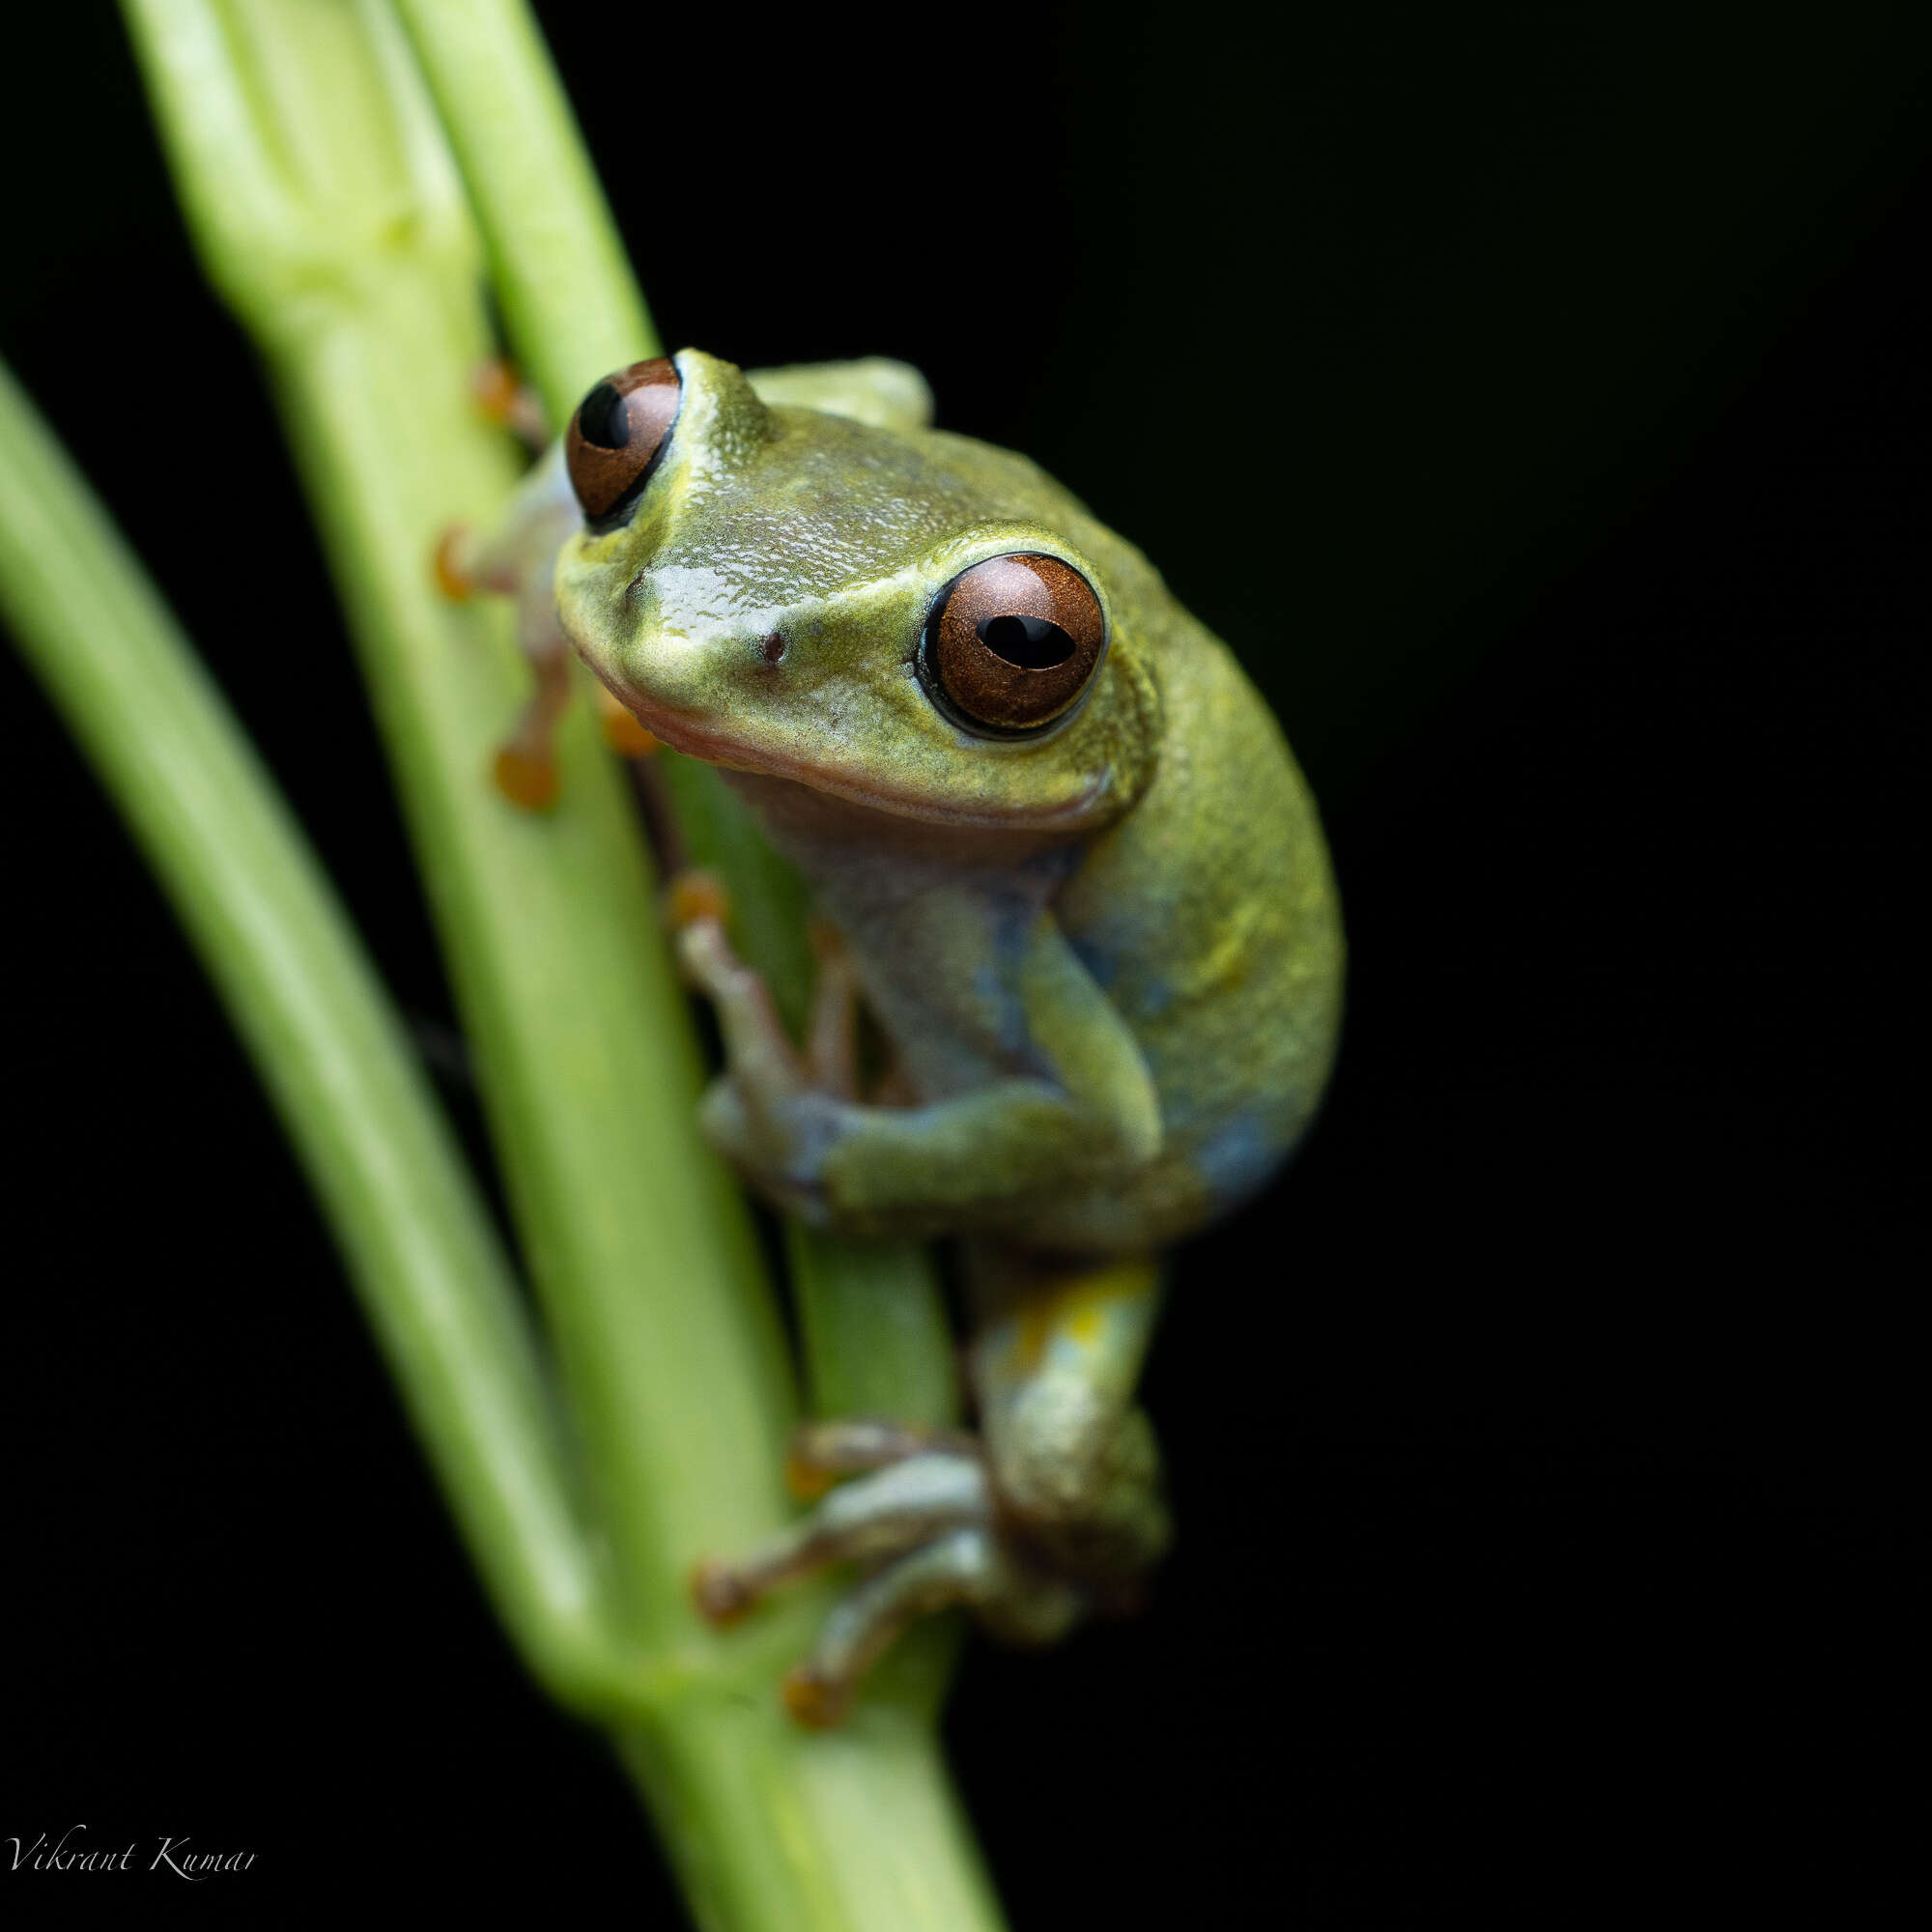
[(1209, 916)]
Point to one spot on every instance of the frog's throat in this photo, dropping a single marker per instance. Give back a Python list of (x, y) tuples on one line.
[(682, 735)]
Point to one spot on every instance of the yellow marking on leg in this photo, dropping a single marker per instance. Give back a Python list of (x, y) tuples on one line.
[(1076, 1308), (1029, 1343), (1087, 1324)]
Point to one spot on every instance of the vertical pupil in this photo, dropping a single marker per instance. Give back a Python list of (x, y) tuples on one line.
[(604, 419), (1033, 644)]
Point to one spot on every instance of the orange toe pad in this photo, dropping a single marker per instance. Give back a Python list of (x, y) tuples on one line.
[(523, 779), (722, 1600), (621, 731), (812, 1701), (695, 894)]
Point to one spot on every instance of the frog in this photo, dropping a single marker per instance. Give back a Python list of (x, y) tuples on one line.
[(1062, 861)]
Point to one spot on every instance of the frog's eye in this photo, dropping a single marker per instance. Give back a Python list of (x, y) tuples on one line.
[(617, 435), (1011, 644)]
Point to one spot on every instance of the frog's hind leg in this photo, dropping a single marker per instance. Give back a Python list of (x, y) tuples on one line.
[(903, 1505), (927, 1522), (823, 1453), (1053, 1510), (968, 1566), (1056, 1353)]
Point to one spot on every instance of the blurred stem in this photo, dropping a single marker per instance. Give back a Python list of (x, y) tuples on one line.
[(571, 305), (417, 1239)]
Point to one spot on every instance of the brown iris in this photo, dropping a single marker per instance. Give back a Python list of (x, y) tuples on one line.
[(1012, 642), (618, 434)]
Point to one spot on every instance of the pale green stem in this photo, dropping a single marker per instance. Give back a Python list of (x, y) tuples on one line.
[(571, 305), (870, 1314), (417, 1241), (773, 1830)]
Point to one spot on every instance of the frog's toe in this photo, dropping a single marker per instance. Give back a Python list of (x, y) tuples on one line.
[(454, 562), (524, 769), (503, 398), (906, 1505), (822, 1452), (956, 1568), (922, 1516), (622, 732), (969, 1567)]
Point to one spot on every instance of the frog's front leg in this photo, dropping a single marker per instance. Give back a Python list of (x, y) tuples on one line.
[(1068, 1099), (756, 1112), (518, 559), (1054, 1510)]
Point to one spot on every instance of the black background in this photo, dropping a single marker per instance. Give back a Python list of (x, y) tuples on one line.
[(1536, 400)]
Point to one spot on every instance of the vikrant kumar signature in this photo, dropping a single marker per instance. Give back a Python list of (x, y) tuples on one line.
[(73, 1852)]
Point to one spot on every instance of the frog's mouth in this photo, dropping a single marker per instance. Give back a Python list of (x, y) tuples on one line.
[(682, 734)]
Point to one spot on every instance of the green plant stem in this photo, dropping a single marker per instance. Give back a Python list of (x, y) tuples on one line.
[(872, 1315), (417, 1241), (773, 1830), (571, 305)]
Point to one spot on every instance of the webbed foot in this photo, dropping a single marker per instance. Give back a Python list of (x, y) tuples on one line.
[(922, 1514), (1055, 1511)]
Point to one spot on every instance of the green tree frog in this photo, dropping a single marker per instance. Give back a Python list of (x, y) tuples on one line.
[(1075, 876)]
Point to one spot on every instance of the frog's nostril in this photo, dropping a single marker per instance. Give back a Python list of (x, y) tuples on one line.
[(772, 648)]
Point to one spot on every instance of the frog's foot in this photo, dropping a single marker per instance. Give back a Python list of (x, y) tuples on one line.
[(925, 1520), (466, 565), (772, 1113), (622, 730), (519, 560), (504, 398), (525, 767)]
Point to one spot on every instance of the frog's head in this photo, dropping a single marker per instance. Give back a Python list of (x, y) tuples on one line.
[(917, 623)]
